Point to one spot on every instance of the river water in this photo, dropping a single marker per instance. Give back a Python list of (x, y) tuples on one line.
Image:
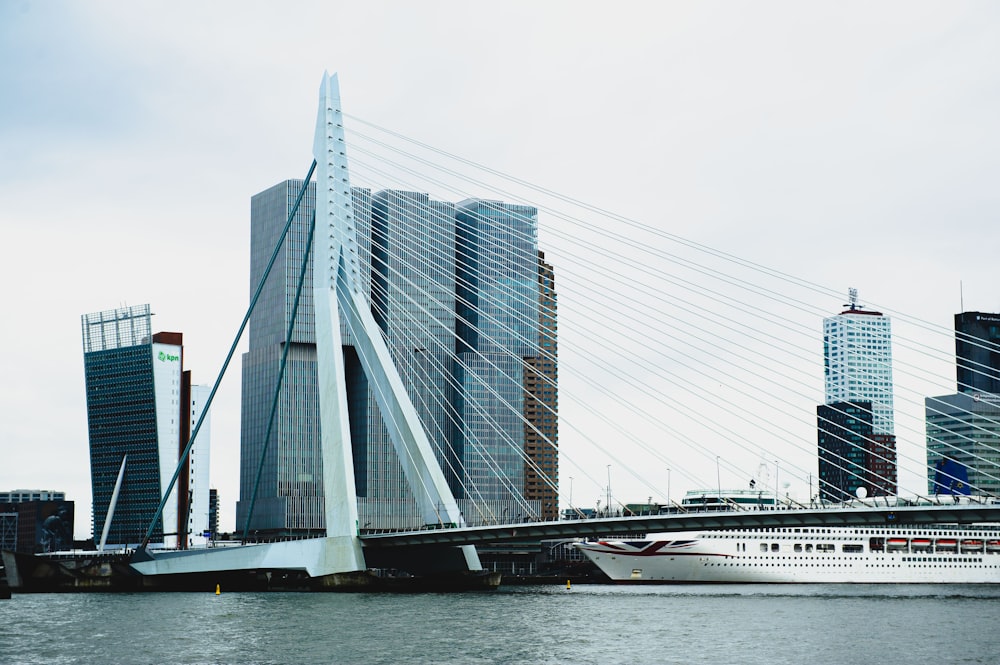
[(746, 624)]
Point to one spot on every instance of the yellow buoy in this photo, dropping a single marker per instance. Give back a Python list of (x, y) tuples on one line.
[(567, 584), (218, 590)]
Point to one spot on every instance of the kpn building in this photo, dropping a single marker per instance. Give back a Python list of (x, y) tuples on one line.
[(141, 410)]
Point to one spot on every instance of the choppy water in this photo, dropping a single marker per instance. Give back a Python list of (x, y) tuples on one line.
[(822, 624)]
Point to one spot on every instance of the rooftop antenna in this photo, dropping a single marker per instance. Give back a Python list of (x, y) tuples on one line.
[(852, 297)]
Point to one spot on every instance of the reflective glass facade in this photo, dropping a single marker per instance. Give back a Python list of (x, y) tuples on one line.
[(845, 430), (977, 352), (965, 428), (498, 327), (135, 390), (290, 488), (121, 420), (411, 244)]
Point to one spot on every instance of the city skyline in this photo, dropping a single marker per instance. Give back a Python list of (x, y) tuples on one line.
[(827, 142)]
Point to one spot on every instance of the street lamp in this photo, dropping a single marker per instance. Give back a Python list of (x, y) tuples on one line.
[(718, 478), (777, 496), (668, 485), (609, 490)]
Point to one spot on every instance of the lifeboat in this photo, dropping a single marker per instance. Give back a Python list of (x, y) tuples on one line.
[(921, 543), (972, 545), (993, 546), (946, 545), (896, 544)]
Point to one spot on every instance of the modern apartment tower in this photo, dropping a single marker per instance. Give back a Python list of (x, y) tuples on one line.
[(438, 276), (851, 455), (541, 411), (857, 359), (844, 431), (140, 410), (963, 430)]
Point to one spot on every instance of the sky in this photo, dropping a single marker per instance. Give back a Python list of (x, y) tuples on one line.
[(849, 143)]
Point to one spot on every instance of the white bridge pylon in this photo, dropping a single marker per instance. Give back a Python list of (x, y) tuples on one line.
[(337, 296)]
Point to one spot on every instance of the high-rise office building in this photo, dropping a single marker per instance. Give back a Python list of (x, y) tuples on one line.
[(425, 266), (497, 303), (413, 302), (140, 410), (281, 470), (977, 352), (964, 428), (857, 359)]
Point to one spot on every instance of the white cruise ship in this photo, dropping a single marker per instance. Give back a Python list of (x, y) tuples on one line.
[(904, 554)]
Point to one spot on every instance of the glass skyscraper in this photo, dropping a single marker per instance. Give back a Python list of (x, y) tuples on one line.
[(449, 285), (140, 403), (289, 495), (963, 430), (497, 303), (977, 352)]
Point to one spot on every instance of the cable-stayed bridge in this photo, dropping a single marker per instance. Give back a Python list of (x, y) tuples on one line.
[(674, 359)]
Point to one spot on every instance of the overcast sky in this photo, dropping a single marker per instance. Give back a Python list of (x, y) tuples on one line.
[(850, 143)]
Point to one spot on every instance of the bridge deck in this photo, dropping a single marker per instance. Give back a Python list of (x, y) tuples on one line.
[(614, 526)]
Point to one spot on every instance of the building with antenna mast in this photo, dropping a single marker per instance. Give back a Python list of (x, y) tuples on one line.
[(963, 429), (857, 366)]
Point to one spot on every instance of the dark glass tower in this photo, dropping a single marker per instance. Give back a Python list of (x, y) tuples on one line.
[(977, 352), (852, 455), (141, 404), (121, 419)]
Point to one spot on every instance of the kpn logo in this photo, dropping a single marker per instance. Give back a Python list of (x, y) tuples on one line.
[(167, 357)]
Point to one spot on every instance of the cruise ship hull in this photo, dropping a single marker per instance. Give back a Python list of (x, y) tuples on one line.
[(958, 555)]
